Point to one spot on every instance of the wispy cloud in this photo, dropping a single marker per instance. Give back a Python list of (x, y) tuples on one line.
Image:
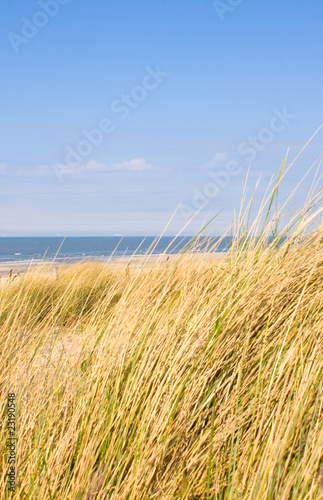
[(217, 161), (92, 166), (138, 164)]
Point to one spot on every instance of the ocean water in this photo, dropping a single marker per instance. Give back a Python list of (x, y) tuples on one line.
[(102, 248)]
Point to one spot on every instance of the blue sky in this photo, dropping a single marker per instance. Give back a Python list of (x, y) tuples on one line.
[(157, 103)]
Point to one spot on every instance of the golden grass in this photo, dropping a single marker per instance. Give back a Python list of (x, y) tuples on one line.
[(199, 379)]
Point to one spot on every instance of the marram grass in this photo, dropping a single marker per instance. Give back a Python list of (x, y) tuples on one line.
[(196, 379)]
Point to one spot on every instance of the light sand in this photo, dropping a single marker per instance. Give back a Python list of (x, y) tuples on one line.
[(12, 271), (15, 270)]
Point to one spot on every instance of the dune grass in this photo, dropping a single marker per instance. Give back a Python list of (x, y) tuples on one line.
[(196, 379)]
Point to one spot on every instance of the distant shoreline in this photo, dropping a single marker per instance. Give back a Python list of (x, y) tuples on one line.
[(39, 249)]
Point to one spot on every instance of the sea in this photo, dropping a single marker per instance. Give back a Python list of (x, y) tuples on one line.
[(23, 249)]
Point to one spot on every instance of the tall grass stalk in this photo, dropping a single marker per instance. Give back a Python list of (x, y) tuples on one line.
[(197, 379)]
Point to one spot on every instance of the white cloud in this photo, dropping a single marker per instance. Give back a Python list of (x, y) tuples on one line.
[(217, 160), (137, 164), (94, 166)]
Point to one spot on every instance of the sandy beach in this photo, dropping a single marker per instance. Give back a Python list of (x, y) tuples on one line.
[(15, 270), (11, 271)]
